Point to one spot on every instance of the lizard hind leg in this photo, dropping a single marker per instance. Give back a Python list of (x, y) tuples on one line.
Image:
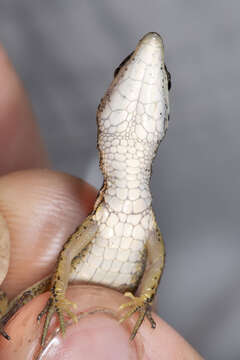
[(149, 284)]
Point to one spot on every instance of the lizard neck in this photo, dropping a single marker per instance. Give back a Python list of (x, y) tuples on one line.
[(126, 168)]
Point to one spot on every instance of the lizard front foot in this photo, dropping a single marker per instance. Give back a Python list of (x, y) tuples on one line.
[(140, 304), (59, 305)]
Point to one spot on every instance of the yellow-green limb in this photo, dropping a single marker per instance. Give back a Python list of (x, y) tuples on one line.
[(149, 283), (57, 302)]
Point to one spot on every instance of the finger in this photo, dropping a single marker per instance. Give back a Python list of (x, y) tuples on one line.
[(42, 208), (98, 336), (20, 144), (4, 248)]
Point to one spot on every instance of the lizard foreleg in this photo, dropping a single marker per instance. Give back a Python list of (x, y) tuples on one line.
[(149, 283), (57, 301)]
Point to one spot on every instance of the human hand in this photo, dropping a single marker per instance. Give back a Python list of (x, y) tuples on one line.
[(41, 208)]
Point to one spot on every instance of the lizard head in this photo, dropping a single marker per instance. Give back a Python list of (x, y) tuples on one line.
[(136, 105)]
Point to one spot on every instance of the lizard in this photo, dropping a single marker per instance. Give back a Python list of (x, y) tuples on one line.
[(119, 244)]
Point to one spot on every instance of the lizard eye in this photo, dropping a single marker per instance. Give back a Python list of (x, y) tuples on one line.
[(168, 78), (116, 71)]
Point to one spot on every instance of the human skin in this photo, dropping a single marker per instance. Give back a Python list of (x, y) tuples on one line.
[(41, 208)]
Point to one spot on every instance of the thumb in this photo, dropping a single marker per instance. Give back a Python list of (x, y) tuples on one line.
[(96, 336)]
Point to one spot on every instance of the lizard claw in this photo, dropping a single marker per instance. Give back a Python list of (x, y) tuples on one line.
[(138, 304), (58, 305)]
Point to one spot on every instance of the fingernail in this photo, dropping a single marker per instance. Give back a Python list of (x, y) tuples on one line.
[(98, 337), (4, 248)]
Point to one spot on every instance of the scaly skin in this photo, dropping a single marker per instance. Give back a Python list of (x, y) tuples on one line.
[(119, 245)]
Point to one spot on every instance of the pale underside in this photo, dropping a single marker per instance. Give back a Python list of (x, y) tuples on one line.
[(116, 256), (132, 121)]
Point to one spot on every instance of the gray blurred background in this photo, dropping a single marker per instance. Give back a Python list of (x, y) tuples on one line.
[(66, 51)]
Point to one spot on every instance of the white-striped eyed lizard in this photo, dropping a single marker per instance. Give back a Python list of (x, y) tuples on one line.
[(119, 245)]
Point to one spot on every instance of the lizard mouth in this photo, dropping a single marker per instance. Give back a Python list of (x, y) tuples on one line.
[(152, 37)]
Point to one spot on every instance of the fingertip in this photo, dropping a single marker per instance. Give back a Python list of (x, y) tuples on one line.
[(97, 335), (21, 146)]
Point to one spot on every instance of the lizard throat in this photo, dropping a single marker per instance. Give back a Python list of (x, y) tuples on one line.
[(126, 168)]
